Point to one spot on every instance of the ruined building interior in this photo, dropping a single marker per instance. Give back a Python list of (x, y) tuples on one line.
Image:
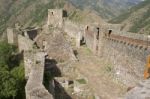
[(49, 49)]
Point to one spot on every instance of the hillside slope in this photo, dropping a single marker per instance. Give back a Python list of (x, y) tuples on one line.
[(106, 8), (34, 12), (25, 12), (137, 19)]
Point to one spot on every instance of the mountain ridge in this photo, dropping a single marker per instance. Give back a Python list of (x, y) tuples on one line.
[(34, 12), (136, 19), (106, 8)]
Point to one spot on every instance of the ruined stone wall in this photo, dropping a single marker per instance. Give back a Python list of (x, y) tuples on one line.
[(57, 46), (93, 38), (28, 62), (55, 18), (89, 38), (34, 87), (71, 28), (24, 43)]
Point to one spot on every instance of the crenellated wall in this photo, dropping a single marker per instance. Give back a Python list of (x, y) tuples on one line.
[(129, 59), (126, 51)]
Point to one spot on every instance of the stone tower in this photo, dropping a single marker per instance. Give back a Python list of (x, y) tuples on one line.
[(55, 18), (12, 36)]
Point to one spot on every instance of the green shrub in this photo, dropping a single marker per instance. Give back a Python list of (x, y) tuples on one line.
[(12, 81)]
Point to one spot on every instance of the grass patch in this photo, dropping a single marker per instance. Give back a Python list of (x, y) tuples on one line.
[(81, 81), (87, 50), (108, 68), (76, 16)]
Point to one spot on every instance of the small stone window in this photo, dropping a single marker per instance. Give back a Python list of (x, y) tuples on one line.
[(65, 13), (71, 82), (38, 62), (52, 13), (44, 44), (23, 34), (109, 33), (87, 28), (97, 36)]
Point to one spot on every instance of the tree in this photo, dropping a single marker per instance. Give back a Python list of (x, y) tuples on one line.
[(12, 81)]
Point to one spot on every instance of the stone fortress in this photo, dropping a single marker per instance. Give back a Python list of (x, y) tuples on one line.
[(43, 47)]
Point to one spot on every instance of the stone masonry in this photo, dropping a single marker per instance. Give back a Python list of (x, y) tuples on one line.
[(34, 87), (127, 51), (142, 91), (55, 18), (12, 36)]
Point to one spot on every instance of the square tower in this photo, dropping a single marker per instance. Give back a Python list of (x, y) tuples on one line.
[(55, 18), (12, 36)]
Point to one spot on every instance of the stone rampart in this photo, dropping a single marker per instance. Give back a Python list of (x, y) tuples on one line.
[(128, 54), (34, 87), (131, 35), (127, 51), (28, 62)]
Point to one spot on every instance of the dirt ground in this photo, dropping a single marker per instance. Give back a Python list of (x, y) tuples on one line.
[(99, 74)]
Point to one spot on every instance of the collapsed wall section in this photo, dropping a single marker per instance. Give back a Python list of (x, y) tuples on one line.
[(71, 28), (24, 43)]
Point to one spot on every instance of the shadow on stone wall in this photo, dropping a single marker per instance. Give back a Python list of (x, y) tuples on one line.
[(15, 60), (51, 65), (60, 92), (55, 88)]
